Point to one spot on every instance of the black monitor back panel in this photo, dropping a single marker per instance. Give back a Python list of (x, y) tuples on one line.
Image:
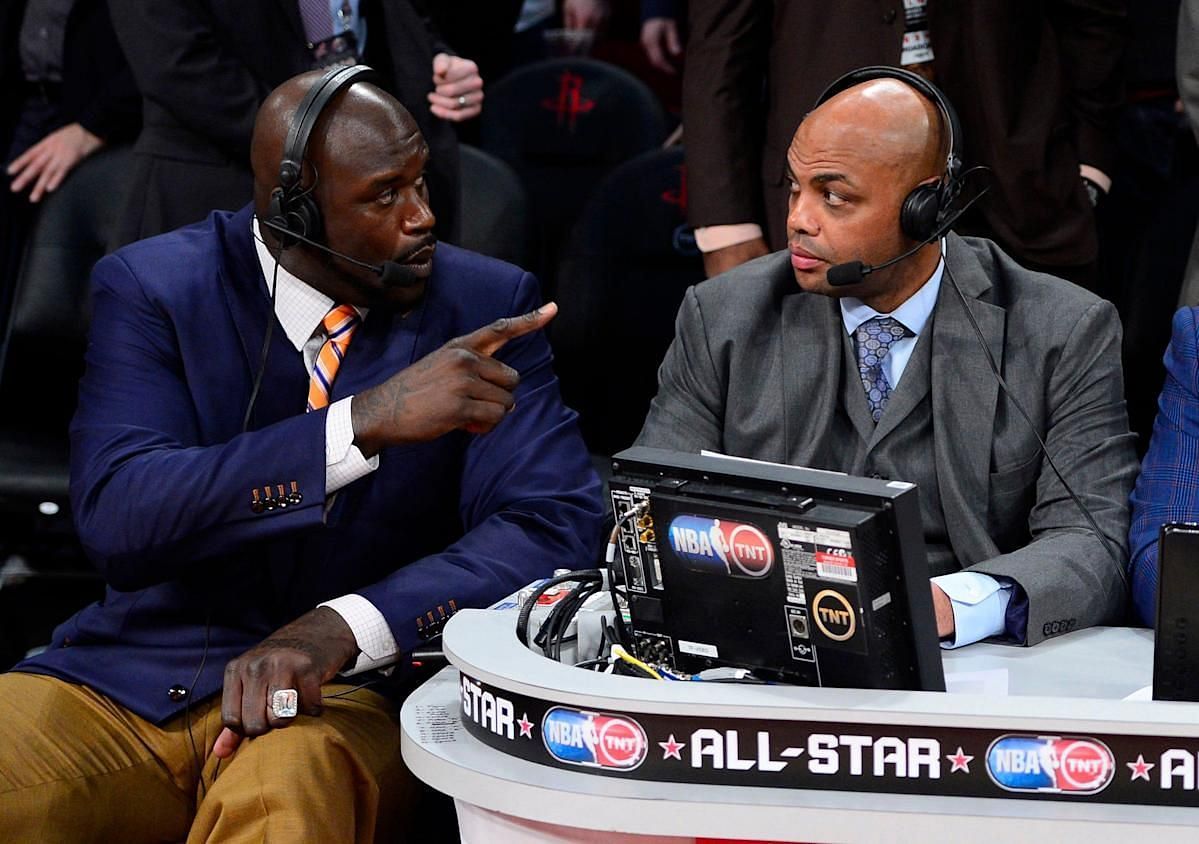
[(800, 584)]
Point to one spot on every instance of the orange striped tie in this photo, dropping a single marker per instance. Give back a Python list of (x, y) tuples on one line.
[(340, 325)]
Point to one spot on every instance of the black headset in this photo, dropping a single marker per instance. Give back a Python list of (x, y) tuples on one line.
[(927, 206), (292, 210)]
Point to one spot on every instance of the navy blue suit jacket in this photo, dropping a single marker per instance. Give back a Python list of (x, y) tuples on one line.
[(1168, 487), (162, 477)]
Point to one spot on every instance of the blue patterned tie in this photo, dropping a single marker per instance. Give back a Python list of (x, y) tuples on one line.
[(874, 338)]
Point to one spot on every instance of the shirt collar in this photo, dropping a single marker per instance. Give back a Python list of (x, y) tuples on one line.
[(298, 306), (913, 314)]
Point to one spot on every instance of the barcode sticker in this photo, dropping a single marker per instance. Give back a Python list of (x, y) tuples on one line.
[(836, 566)]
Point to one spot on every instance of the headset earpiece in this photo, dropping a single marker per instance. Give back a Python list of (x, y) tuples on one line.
[(921, 212)]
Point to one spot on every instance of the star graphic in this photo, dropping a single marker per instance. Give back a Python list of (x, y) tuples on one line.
[(1140, 768), (960, 761), (671, 748), (526, 726)]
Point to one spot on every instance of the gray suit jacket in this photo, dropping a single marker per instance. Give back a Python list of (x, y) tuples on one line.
[(754, 371)]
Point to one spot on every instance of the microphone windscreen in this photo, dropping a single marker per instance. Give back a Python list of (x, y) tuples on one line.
[(398, 275), (840, 275)]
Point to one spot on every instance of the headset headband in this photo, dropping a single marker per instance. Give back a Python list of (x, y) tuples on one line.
[(953, 163), (308, 112)]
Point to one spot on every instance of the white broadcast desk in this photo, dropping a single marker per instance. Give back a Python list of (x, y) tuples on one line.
[(787, 763)]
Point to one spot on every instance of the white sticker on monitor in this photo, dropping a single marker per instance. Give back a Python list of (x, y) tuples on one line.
[(698, 649)]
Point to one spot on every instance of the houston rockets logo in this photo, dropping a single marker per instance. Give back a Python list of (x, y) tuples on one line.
[(570, 103), (716, 545), (678, 196)]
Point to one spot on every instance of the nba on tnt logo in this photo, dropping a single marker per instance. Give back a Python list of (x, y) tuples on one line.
[(720, 545), (1070, 765), (593, 739)]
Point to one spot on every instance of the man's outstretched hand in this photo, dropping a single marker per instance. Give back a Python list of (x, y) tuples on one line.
[(459, 386), (302, 655)]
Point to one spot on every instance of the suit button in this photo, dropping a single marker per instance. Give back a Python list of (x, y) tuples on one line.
[(256, 507), (269, 504), (177, 693), (889, 16), (295, 497)]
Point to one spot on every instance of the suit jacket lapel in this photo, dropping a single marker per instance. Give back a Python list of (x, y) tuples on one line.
[(912, 388), (812, 334), (284, 382), (964, 396)]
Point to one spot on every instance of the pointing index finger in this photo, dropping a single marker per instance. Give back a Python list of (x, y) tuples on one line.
[(491, 338)]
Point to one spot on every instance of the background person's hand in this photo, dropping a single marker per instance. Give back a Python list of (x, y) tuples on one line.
[(302, 655), (458, 88), (459, 386), (47, 163), (661, 43), (584, 14)]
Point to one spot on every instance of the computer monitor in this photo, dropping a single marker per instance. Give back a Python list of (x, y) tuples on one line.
[(799, 575), (1175, 648)]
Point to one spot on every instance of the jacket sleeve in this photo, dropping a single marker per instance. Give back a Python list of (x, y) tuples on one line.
[(529, 504), (150, 499), (1168, 488), (181, 64), (687, 414), (1092, 40), (724, 109), (1067, 571)]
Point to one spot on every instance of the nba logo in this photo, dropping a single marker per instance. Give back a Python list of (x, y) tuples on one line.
[(719, 545)]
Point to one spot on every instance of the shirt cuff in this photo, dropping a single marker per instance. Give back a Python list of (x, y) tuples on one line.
[(376, 644), (344, 463), (979, 604), (1101, 179), (711, 238)]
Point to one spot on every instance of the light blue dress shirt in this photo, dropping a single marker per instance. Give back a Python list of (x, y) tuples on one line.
[(979, 601), (345, 16)]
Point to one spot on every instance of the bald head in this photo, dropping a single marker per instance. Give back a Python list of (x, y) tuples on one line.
[(357, 121), (887, 120)]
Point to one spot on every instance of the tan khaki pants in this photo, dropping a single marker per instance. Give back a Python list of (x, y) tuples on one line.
[(75, 766)]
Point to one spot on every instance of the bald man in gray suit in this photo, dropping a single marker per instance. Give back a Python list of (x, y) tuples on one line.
[(887, 378)]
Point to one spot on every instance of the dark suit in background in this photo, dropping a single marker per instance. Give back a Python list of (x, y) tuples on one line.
[(203, 67), (760, 369), (1035, 83), (97, 91)]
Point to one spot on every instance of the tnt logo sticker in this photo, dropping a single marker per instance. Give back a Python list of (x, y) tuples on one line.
[(1072, 765), (721, 546), (834, 617), (593, 739)]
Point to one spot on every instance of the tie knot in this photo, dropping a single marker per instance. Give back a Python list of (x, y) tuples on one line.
[(875, 337), (340, 320)]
